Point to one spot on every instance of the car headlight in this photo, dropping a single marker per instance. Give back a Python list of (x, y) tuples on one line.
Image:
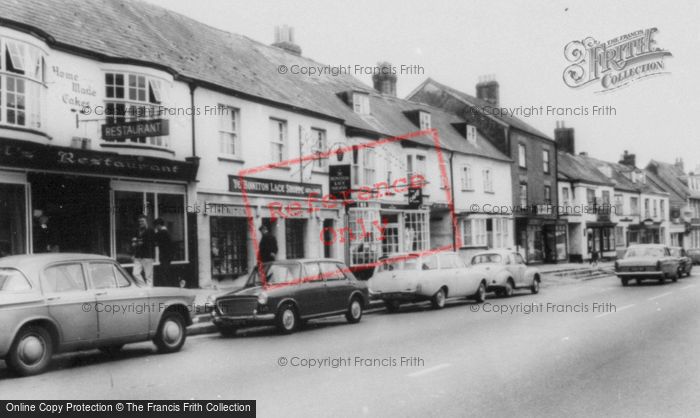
[(262, 298)]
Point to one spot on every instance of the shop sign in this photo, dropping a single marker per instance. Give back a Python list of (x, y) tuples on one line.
[(415, 197), (339, 180), (141, 128), (273, 187)]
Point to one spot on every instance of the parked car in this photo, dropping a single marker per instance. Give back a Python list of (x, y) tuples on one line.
[(685, 261), (56, 302), (293, 291), (434, 277), (694, 254), (505, 271), (648, 261)]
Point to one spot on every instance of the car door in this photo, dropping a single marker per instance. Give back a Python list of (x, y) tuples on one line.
[(448, 272), (311, 292), (124, 309), (467, 278), (429, 276), (70, 302), (338, 286), (518, 270)]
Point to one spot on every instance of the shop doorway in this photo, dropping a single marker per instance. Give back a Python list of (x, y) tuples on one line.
[(390, 237), (74, 209)]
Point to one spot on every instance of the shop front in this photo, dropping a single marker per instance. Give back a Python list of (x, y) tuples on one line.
[(600, 237), (646, 232), (542, 240), (61, 199)]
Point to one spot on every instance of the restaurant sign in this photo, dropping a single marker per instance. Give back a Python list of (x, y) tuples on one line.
[(141, 128), (273, 187)]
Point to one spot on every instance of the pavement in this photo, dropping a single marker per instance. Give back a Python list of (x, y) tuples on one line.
[(587, 348)]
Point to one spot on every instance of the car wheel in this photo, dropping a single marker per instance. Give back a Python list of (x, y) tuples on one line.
[(31, 351), (171, 333), (438, 300), (508, 289), (480, 295), (624, 282), (227, 332), (690, 268), (112, 350), (354, 313), (679, 273), (535, 288), (639, 281), (392, 305), (287, 319)]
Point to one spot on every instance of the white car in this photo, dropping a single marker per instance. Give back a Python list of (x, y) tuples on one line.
[(505, 271), (433, 277)]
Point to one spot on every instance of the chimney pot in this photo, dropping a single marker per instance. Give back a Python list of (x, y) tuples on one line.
[(564, 138), (384, 80), (487, 90), (284, 39)]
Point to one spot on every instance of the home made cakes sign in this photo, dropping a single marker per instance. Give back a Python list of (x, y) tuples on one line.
[(615, 63)]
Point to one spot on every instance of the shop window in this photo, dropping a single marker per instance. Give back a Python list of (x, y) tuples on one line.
[(13, 239), (229, 252), (294, 237), (132, 97), (229, 131), (561, 242), (278, 140), (474, 232), (22, 73), (620, 236), (365, 243), (500, 232), (416, 231)]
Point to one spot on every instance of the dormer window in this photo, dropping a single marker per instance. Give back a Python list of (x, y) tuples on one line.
[(471, 134), (424, 120), (360, 103)]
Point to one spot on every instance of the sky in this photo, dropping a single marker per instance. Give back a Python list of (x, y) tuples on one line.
[(520, 43)]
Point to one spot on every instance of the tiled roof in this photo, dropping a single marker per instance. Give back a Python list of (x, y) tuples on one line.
[(478, 103), (672, 176), (134, 30), (577, 168), (621, 181)]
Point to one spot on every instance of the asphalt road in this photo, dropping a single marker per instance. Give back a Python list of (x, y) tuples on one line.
[(631, 351)]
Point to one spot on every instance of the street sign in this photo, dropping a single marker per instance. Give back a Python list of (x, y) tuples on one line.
[(415, 197), (339, 180)]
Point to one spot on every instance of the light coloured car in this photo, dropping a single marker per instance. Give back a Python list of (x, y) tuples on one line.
[(61, 302), (686, 263), (417, 277), (648, 262), (505, 271)]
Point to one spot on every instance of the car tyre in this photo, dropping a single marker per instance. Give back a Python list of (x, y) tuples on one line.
[(535, 288), (31, 352), (392, 305), (287, 319), (354, 313), (439, 298), (112, 350), (171, 334), (480, 295)]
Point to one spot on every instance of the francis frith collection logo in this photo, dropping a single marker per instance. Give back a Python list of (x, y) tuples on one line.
[(615, 63)]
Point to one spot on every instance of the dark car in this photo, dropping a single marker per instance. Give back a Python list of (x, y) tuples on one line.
[(686, 263), (648, 261), (60, 302), (694, 254), (294, 291)]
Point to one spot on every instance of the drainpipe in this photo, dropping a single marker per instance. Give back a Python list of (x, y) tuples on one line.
[(193, 86), (453, 220)]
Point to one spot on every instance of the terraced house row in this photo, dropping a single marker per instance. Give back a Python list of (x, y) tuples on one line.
[(156, 113)]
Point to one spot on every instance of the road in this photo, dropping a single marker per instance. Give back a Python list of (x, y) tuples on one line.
[(630, 351)]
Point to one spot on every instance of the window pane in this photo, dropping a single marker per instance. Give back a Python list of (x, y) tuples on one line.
[(229, 253), (102, 275), (171, 208), (13, 239), (128, 206), (63, 278), (12, 280)]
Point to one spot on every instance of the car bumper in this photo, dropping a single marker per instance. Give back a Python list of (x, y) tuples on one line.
[(405, 296), (641, 274), (241, 320)]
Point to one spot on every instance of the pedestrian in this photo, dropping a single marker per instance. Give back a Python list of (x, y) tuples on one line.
[(165, 254), (143, 247), (594, 258), (45, 239), (267, 250)]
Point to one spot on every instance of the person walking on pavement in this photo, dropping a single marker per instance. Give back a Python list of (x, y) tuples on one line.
[(165, 254), (268, 245), (45, 238), (143, 246)]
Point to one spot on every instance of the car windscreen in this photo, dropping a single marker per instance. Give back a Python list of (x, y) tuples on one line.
[(277, 273), (653, 252), (486, 258), (12, 280)]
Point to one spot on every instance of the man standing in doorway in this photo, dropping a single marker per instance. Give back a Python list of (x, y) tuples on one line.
[(143, 245), (165, 254), (45, 237), (268, 245)]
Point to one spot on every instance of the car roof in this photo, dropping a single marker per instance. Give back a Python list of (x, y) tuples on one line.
[(32, 264), (647, 245), (499, 251), (307, 260)]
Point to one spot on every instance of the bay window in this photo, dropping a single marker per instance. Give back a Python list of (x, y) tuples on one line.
[(22, 74), (474, 232)]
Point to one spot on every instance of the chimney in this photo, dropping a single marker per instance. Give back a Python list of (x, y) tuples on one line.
[(487, 89), (628, 159), (564, 138), (385, 79), (284, 39), (679, 164)]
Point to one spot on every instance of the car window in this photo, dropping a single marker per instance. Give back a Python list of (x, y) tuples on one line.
[(518, 259), (313, 272), (12, 280), (429, 263), (446, 262), (122, 280), (675, 252), (276, 273), (486, 258), (63, 278), (331, 271), (653, 252), (103, 276)]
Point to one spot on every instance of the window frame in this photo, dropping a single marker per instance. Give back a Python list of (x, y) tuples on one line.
[(467, 178), (229, 128), (522, 155), (278, 139), (545, 161), (320, 140)]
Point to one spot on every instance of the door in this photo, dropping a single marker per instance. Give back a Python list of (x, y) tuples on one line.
[(517, 269), (311, 292), (338, 286), (70, 302), (123, 309)]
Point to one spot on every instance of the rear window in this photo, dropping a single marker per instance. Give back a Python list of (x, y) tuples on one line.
[(12, 280), (402, 264), (486, 258)]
